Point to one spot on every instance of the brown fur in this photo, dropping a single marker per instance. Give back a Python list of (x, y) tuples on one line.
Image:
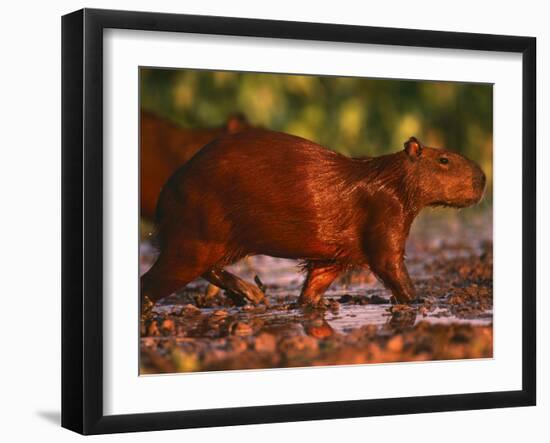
[(166, 146), (264, 192)]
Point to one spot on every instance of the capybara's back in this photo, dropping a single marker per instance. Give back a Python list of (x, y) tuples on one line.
[(165, 146), (259, 192), (264, 192)]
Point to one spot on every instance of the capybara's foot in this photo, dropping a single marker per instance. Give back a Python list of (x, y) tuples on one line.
[(240, 291), (247, 294), (401, 299), (314, 302), (319, 277)]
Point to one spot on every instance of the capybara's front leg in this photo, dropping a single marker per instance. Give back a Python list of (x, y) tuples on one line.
[(238, 289), (318, 279), (392, 271)]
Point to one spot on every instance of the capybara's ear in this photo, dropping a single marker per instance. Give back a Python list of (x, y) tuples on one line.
[(236, 123), (413, 148)]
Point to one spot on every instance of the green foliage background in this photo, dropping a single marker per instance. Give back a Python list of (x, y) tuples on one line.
[(355, 116)]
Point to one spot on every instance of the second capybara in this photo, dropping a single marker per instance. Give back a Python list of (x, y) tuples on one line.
[(265, 192), (165, 146)]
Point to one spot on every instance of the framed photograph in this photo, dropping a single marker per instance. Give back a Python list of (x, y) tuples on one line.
[(269, 221)]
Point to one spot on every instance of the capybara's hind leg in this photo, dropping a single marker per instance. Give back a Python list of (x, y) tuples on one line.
[(319, 278), (168, 274), (238, 289)]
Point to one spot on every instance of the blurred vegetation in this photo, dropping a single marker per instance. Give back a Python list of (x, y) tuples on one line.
[(355, 116)]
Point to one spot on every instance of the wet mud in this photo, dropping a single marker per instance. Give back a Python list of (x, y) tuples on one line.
[(450, 261)]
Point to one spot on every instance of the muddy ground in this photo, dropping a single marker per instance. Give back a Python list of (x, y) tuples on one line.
[(449, 256)]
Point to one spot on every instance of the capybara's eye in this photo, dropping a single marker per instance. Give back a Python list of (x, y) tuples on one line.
[(443, 160)]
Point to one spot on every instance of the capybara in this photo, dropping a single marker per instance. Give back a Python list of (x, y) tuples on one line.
[(165, 146), (265, 192)]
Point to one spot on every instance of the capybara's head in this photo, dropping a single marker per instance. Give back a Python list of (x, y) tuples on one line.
[(444, 178)]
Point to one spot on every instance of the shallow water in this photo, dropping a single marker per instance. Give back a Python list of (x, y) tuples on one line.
[(450, 262)]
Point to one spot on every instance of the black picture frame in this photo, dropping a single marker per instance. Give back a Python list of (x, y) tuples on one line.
[(82, 219)]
